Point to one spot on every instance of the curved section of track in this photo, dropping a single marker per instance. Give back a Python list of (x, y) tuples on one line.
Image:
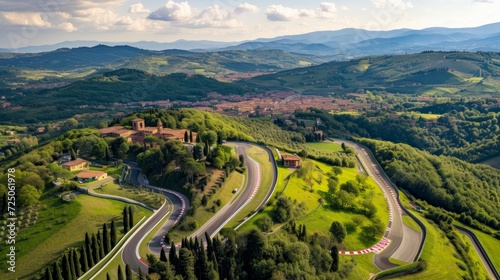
[(394, 243), (180, 204)]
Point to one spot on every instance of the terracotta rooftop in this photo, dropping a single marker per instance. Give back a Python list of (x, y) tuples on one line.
[(74, 162), (290, 157), (87, 174)]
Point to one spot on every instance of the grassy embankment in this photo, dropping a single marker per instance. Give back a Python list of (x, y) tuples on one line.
[(318, 217), (143, 195), (439, 253), (63, 225)]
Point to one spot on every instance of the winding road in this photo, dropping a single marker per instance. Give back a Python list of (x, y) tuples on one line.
[(403, 242), (130, 254)]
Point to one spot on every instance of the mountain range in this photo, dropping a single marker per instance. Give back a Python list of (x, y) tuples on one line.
[(340, 44)]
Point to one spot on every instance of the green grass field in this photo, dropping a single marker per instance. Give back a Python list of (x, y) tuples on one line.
[(418, 115), (489, 243), (324, 147), (318, 217), (143, 195), (439, 254), (204, 213), (84, 214)]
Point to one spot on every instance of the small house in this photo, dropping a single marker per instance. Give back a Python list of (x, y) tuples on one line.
[(75, 165), (90, 176), (291, 161)]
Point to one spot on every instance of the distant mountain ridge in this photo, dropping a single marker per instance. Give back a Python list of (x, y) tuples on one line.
[(338, 44)]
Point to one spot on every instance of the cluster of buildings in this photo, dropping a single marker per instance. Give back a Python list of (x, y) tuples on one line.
[(139, 131)]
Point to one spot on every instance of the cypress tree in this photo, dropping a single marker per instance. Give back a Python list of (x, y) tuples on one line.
[(128, 272), (190, 136), (107, 276), (196, 244), (207, 148), (90, 259), (210, 248), (125, 220), (105, 239), (186, 264), (57, 275), (48, 273), (120, 273), (186, 137), (139, 273), (229, 260), (108, 157), (66, 269), (215, 263), (163, 257), (95, 250), (201, 264), (112, 234), (83, 260), (72, 153), (172, 255), (71, 263), (335, 257), (130, 217), (76, 264), (100, 246)]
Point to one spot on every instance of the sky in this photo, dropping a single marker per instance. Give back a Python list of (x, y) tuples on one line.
[(41, 22)]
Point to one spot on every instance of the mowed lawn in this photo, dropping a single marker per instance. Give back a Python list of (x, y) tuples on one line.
[(439, 254), (93, 213), (319, 217), (204, 213), (324, 147), (490, 244)]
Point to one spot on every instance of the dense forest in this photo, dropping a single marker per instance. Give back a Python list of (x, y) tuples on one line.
[(289, 254), (468, 134), (471, 192)]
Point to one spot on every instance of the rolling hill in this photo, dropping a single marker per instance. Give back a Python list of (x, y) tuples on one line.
[(422, 73)]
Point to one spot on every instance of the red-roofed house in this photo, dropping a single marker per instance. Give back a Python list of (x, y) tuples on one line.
[(90, 175), (291, 161)]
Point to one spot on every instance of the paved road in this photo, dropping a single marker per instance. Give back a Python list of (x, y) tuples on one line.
[(484, 258), (225, 214), (178, 202), (401, 247)]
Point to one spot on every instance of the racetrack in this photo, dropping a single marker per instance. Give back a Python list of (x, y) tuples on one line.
[(130, 253), (404, 242)]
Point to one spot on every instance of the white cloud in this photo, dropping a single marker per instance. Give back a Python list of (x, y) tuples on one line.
[(392, 4), (67, 26), (181, 14), (282, 13), (39, 20), (172, 11), (245, 8), (138, 9), (327, 7), (100, 18), (483, 1)]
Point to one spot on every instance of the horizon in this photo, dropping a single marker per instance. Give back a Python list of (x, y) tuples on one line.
[(111, 21), (128, 43)]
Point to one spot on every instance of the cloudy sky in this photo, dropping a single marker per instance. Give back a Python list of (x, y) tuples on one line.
[(39, 22)]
